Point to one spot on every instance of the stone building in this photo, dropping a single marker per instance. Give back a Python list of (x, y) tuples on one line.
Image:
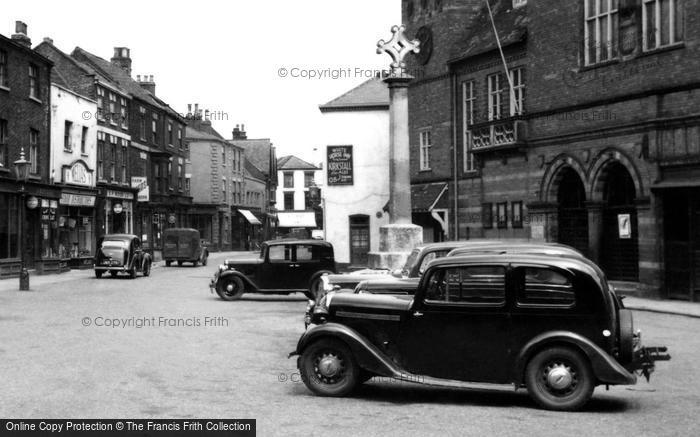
[(296, 215), (217, 183), (591, 137)]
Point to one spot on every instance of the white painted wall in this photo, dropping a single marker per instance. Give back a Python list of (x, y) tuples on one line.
[(368, 133), (298, 189), (68, 106)]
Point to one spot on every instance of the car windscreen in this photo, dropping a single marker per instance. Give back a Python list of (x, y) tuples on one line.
[(411, 261)]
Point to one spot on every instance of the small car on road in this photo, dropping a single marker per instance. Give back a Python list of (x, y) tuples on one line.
[(549, 324), (283, 267), (183, 245), (121, 253)]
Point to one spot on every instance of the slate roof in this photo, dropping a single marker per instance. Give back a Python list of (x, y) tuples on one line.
[(253, 171), (511, 24), (291, 162), (258, 151), (424, 196), (69, 79), (118, 75), (196, 134), (372, 94)]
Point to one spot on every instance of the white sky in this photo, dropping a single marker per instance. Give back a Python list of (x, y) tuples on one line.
[(226, 55)]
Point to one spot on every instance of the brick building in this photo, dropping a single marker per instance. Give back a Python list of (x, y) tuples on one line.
[(25, 113), (591, 137)]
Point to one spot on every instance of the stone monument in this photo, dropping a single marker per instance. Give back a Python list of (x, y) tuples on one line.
[(400, 236)]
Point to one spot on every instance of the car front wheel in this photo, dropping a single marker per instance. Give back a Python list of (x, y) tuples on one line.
[(559, 378), (147, 269), (230, 288), (328, 368)]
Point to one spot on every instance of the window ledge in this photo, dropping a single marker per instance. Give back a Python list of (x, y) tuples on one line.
[(601, 64), (667, 48), (67, 150), (4, 88), (34, 99), (425, 170)]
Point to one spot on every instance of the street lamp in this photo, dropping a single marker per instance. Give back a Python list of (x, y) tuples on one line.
[(22, 173)]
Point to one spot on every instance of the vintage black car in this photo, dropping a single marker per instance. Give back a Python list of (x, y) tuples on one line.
[(121, 253), (283, 267), (549, 324)]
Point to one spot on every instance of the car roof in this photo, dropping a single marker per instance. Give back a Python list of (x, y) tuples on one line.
[(298, 241), (115, 237), (464, 243), (522, 248)]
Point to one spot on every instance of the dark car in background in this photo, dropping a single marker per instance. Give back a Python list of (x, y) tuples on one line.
[(283, 267), (121, 253), (183, 245), (546, 323)]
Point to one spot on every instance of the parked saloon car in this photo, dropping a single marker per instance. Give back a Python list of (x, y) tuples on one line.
[(121, 253), (183, 245), (283, 267), (549, 324)]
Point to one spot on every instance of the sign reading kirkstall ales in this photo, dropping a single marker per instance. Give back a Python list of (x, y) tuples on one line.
[(340, 165)]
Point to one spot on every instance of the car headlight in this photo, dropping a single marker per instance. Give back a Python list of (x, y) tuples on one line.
[(222, 267)]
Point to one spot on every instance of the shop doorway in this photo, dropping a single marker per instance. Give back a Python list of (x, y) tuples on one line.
[(619, 247), (682, 243), (359, 240), (572, 214)]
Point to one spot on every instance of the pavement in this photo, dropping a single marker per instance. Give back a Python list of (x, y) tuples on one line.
[(673, 307)]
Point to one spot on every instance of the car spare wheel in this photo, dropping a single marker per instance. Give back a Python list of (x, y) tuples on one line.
[(626, 336), (230, 288), (559, 378), (328, 368)]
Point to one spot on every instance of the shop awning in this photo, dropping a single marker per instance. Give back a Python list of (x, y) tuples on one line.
[(250, 217), (427, 197), (296, 220)]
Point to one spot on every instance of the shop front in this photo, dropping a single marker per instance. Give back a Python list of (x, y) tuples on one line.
[(249, 226), (115, 211), (76, 227)]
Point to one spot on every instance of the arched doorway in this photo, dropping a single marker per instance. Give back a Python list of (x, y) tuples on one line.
[(619, 247), (572, 215)]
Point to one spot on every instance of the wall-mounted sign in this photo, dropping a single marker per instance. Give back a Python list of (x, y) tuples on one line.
[(171, 219), (141, 182), (78, 173), (117, 208), (340, 171), (120, 195), (77, 200), (32, 202), (624, 226)]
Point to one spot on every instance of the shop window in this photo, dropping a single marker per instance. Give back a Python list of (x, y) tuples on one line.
[(9, 236)]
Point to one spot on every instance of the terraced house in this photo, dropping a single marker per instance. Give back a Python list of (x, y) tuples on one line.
[(569, 130)]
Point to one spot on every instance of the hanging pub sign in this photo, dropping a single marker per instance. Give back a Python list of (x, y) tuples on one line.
[(624, 226), (340, 171)]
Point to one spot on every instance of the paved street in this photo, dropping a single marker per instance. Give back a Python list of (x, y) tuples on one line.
[(52, 366)]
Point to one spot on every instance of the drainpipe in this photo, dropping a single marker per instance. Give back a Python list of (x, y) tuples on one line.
[(455, 166)]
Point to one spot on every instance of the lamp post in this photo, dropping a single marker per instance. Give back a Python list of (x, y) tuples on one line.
[(22, 173)]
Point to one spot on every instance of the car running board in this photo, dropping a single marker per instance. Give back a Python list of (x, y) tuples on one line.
[(451, 383)]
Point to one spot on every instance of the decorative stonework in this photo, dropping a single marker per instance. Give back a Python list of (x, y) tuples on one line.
[(398, 47)]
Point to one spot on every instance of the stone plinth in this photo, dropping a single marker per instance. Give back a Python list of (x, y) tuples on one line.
[(396, 241)]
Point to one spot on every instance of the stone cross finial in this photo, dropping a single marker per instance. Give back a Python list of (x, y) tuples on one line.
[(398, 47)]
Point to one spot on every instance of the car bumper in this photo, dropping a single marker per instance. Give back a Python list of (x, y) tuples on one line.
[(645, 357), (111, 268)]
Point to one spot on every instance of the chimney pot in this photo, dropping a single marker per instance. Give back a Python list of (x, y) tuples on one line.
[(122, 59), (138, 78), (20, 27), (20, 35)]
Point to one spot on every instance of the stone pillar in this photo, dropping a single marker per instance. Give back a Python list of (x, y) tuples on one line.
[(595, 229), (397, 239)]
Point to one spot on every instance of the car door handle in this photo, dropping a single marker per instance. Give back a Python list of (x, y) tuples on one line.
[(294, 265), (417, 314)]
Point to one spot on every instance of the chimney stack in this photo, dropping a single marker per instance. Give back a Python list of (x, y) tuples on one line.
[(148, 84), (239, 132), (48, 40), (20, 35), (122, 59)]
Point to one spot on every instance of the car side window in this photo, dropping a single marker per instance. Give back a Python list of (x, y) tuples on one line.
[(307, 252), (280, 253), (469, 285), (541, 286), (429, 257)]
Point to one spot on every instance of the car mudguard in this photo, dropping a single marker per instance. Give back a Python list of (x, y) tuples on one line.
[(606, 369), (244, 278), (367, 355)]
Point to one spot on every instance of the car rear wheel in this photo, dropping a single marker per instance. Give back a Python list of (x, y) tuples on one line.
[(113, 273), (195, 263), (230, 288), (147, 269), (179, 263), (328, 368), (98, 274), (167, 263), (559, 378)]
